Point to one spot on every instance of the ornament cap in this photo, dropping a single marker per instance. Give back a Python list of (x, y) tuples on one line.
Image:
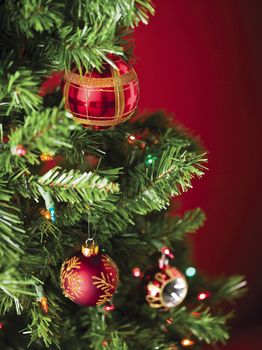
[(90, 248)]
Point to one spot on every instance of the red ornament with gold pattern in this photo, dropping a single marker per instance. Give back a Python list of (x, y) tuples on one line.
[(89, 278), (102, 100)]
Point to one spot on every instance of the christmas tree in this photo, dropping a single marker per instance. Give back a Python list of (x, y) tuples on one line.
[(91, 254)]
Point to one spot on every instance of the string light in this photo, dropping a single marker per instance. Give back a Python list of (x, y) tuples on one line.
[(41, 298), (1, 325), (52, 214), (169, 321), (196, 314), (44, 304), (167, 251), (18, 150), (134, 140), (104, 343), (150, 159), (142, 144), (203, 295), (109, 308), (136, 272), (45, 157), (46, 214), (190, 271), (131, 139), (49, 203), (187, 342)]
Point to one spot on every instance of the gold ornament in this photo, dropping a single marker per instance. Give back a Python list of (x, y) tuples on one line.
[(168, 288), (90, 248)]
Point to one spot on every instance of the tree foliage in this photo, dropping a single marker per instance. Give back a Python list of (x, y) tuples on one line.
[(121, 189)]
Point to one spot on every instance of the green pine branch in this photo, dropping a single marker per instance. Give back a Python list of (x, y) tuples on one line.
[(174, 228), (87, 47), (80, 32), (152, 187), (102, 334), (229, 288), (127, 13), (114, 343), (18, 87), (124, 202), (13, 287), (45, 327), (205, 327), (149, 188), (84, 143), (76, 187), (39, 134), (31, 17), (12, 231)]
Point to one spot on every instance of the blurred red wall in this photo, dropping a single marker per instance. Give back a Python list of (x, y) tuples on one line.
[(201, 60)]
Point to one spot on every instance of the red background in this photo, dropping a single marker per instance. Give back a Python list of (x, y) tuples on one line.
[(201, 60)]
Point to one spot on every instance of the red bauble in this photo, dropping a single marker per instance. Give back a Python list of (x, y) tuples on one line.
[(102, 100), (89, 280)]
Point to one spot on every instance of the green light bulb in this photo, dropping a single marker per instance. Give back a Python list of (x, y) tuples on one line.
[(190, 271)]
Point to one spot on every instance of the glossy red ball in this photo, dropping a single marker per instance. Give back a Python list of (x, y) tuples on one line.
[(89, 281), (102, 100)]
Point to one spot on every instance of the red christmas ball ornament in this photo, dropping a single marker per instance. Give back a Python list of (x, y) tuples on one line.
[(102, 100), (89, 278)]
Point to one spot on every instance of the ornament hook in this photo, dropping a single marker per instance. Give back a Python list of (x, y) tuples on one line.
[(90, 248)]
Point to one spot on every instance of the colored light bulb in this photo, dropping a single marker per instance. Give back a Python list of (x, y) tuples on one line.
[(109, 308), (169, 321), (136, 272), (131, 139), (187, 342), (150, 159), (167, 251), (52, 214), (190, 271), (18, 150), (203, 295), (45, 157), (44, 304), (45, 213)]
